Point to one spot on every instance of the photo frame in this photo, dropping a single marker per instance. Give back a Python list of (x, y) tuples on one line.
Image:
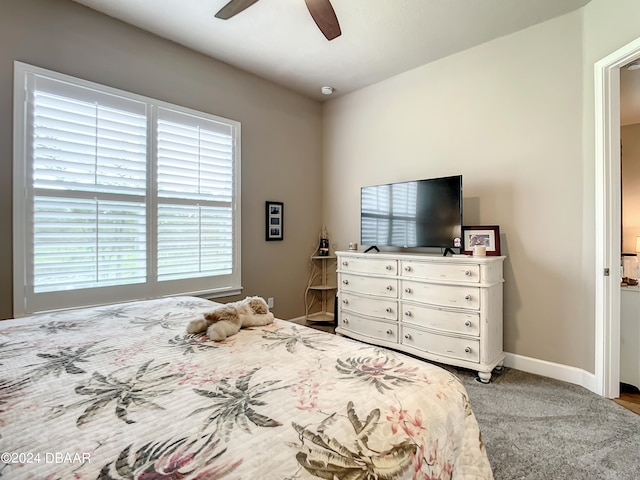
[(487, 235), (274, 221)]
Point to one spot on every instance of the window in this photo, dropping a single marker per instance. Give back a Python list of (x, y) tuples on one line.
[(119, 197)]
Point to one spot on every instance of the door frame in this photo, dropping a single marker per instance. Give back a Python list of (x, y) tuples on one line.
[(607, 219)]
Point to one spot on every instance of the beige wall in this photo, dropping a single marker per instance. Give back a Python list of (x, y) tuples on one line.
[(281, 131), (515, 117), (507, 115), (630, 135)]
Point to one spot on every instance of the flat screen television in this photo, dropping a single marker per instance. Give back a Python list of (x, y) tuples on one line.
[(420, 213)]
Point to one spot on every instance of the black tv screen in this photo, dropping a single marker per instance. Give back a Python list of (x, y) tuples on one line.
[(420, 213)]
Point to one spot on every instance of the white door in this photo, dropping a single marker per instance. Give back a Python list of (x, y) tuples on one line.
[(607, 195)]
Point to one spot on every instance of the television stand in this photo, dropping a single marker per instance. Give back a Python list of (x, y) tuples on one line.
[(448, 250), (373, 247)]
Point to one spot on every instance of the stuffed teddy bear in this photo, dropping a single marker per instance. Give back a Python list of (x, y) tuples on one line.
[(229, 318)]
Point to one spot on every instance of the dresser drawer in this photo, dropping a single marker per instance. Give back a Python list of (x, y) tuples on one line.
[(371, 328), (461, 348), (461, 296), (379, 266), (371, 306), (467, 323), (386, 287), (440, 271)]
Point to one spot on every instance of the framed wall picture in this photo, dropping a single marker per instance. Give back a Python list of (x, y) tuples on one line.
[(488, 236), (274, 221)]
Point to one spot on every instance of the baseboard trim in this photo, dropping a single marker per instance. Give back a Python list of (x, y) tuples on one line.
[(557, 371)]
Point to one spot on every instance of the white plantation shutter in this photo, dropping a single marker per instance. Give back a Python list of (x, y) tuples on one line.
[(89, 182), (118, 197), (195, 196), (84, 243)]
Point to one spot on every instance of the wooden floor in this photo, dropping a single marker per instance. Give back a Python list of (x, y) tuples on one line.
[(630, 401), (324, 326)]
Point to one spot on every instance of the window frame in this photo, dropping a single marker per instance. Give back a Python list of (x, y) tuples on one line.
[(25, 301)]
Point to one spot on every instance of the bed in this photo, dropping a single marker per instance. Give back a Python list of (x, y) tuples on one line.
[(123, 392)]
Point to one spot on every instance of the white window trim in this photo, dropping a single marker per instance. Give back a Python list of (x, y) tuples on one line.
[(20, 192)]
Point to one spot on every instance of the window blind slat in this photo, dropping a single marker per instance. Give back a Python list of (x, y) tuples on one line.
[(194, 161), (188, 238), (83, 239), (85, 146)]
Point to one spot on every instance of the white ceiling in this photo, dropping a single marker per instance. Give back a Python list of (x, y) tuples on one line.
[(278, 40)]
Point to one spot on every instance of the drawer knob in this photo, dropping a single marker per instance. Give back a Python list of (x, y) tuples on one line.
[(407, 290), (389, 332), (407, 268), (345, 301), (467, 350), (346, 320), (346, 282), (467, 323), (467, 297), (388, 310), (407, 336), (388, 267), (389, 287), (345, 263), (467, 273), (408, 313)]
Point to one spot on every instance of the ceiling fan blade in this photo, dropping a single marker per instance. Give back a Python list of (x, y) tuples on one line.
[(233, 8), (325, 17)]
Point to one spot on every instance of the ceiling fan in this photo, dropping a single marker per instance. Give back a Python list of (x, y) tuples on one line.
[(321, 11)]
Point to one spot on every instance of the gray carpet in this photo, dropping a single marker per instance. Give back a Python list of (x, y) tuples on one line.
[(539, 428)]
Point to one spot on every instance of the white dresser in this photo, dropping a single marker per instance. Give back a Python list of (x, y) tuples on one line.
[(445, 309), (630, 335)]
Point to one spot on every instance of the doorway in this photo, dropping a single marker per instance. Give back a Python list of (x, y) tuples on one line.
[(608, 207)]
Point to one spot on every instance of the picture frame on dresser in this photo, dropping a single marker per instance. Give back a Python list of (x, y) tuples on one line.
[(274, 221), (487, 235)]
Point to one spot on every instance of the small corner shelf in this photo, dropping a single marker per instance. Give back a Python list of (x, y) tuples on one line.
[(320, 289)]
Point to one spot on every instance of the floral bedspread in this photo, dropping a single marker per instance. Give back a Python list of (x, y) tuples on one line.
[(123, 392)]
